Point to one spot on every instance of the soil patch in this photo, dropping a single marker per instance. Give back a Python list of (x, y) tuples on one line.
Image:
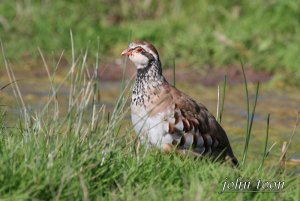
[(209, 77), (113, 71)]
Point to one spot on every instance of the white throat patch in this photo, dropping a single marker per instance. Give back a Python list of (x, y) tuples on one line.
[(139, 60)]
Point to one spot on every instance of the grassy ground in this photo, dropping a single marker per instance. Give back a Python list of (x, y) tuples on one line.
[(89, 154), (98, 166), (195, 33)]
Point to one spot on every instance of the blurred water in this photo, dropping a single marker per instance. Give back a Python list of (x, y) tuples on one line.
[(281, 104)]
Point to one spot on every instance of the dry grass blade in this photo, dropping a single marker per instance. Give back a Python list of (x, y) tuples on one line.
[(286, 145), (16, 89)]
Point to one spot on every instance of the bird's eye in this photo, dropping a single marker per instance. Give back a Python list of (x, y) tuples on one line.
[(139, 49)]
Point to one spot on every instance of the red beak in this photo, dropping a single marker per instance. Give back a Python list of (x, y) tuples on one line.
[(126, 52)]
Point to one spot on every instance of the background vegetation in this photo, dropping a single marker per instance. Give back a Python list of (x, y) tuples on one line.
[(195, 33)]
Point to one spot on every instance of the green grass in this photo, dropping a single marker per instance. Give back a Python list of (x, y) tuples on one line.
[(195, 33), (88, 154)]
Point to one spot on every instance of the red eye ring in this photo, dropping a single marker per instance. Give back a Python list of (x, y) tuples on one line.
[(139, 49)]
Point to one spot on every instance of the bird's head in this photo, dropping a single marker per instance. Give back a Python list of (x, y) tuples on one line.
[(141, 53)]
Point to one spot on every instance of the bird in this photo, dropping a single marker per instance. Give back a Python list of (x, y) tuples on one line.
[(166, 118)]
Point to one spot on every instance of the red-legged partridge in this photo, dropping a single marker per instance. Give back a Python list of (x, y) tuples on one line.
[(167, 118)]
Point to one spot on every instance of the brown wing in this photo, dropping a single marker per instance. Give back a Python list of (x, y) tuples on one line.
[(198, 128)]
